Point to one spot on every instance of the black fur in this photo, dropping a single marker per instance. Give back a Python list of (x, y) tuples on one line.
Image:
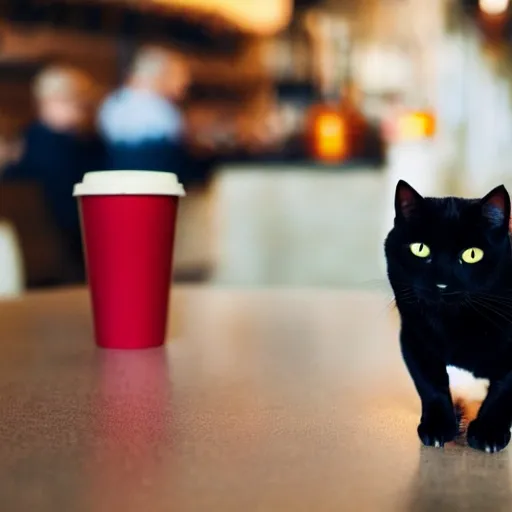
[(467, 324)]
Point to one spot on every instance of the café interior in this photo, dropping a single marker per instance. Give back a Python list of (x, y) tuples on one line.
[(298, 115), (294, 105), (280, 386), (313, 102)]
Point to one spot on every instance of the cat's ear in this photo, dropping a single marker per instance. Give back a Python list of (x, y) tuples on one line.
[(406, 200), (496, 208)]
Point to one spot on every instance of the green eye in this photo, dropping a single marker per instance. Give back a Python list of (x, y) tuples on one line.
[(420, 250), (472, 255)]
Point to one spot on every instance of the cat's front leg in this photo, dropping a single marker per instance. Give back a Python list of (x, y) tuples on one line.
[(438, 423), (490, 431)]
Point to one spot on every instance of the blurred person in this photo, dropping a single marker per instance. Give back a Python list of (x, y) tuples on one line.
[(141, 123), (59, 147)]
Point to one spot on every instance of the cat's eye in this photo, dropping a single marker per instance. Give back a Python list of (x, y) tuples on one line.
[(472, 255), (420, 250)]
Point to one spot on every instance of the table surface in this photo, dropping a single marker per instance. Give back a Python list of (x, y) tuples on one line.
[(261, 401)]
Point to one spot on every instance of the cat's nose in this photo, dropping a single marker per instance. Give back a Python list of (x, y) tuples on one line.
[(441, 286)]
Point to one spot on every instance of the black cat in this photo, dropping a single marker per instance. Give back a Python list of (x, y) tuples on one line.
[(450, 266)]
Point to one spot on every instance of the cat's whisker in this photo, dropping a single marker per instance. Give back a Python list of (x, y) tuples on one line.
[(500, 304), (424, 289), (405, 291), (504, 315), (492, 309), (404, 284), (402, 295), (388, 308), (485, 316), (406, 297), (503, 300)]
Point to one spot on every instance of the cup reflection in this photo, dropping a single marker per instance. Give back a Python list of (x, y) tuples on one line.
[(131, 414)]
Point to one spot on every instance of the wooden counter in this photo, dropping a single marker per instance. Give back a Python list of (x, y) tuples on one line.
[(261, 401)]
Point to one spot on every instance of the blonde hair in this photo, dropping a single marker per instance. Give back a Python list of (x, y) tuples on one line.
[(64, 81)]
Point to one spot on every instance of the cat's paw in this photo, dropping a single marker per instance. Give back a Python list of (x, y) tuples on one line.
[(438, 428), (488, 436)]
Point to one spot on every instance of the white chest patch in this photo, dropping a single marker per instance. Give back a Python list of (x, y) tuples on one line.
[(464, 384)]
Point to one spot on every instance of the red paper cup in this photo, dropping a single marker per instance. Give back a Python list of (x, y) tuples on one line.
[(128, 224)]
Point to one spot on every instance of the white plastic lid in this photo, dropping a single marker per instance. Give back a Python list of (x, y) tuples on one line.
[(139, 183)]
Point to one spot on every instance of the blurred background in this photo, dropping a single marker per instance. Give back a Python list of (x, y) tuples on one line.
[(288, 121)]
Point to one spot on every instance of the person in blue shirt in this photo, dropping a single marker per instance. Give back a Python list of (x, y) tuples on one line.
[(140, 123)]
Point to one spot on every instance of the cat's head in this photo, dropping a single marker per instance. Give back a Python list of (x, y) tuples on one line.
[(444, 250)]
